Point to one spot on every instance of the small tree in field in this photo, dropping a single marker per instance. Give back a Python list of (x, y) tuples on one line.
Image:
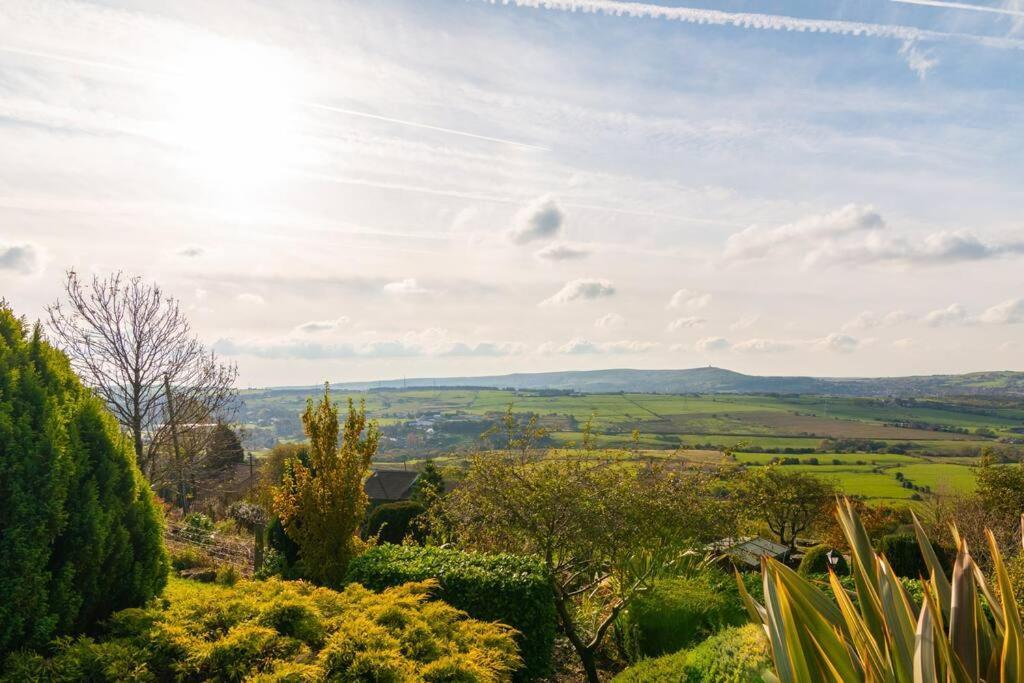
[(787, 502), (606, 531), (321, 503)]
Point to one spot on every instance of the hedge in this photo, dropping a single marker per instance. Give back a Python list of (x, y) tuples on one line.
[(511, 589), (679, 612), (815, 561), (394, 521), (280, 631), (733, 655)]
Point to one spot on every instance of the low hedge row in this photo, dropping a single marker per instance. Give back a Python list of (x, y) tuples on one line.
[(733, 655), (678, 613), (507, 588)]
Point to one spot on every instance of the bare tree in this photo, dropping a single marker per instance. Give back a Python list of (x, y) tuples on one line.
[(129, 341)]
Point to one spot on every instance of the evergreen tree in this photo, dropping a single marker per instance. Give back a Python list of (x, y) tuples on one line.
[(322, 503), (429, 485), (80, 534)]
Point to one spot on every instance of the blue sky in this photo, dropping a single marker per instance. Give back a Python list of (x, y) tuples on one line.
[(352, 190)]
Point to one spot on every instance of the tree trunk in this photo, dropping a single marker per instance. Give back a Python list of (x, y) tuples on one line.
[(585, 653)]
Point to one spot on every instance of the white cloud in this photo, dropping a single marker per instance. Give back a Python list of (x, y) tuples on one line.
[(763, 346), (938, 248), (610, 321), (23, 259), (919, 61), (685, 323), (541, 219), (485, 349), (579, 346), (711, 344), (580, 289), (190, 251), (406, 287), (757, 243), (950, 315), (745, 322), (414, 344), (317, 326), (687, 298), (867, 320), (562, 251), (1006, 313), (250, 298), (841, 343)]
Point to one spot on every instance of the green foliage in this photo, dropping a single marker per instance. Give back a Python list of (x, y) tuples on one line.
[(199, 527), (80, 534), (224, 449), (678, 612), (281, 631), (734, 655), (322, 503), (960, 632), (227, 575), (507, 588), (429, 486), (189, 558), (787, 502), (815, 561), (394, 521), (903, 553)]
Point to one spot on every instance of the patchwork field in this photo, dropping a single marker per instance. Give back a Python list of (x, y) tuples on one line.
[(861, 443)]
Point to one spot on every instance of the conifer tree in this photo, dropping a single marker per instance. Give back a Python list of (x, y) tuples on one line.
[(322, 503), (80, 534)]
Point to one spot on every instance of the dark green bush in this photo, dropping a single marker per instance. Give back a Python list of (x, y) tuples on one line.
[(904, 555), (279, 631), (679, 612), (80, 534), (507, 588), (815, 561), (733, 655), (394, 521)]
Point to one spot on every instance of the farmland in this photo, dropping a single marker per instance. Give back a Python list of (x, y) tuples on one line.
[(869, 446)]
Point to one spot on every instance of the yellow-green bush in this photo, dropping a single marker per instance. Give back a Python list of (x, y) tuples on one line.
[(281, 631), (733, 655)]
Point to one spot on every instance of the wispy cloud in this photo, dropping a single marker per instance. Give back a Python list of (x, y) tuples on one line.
[(963, 6), (685, 323), (407, 287), (250, 298), (609, 321), (561, 251), (318, 326), (1006, 313), (756, 242), (919, 61), (579, 346), (688, 298)]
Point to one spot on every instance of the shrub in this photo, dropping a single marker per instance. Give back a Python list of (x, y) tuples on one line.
[(815, 561), (80, 535), (394, 521), (902, 551), (189, 558), (227, 575), (507, 588), (733, 655), (281, 631), (677, 613)]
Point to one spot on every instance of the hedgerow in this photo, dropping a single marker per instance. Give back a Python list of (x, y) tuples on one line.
[(678, 612), (281, 631), (507, 588), (733, 655)]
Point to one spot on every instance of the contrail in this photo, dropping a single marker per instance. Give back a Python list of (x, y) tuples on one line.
[(765, 22), (963, 5), (414, 124), (350, 112)]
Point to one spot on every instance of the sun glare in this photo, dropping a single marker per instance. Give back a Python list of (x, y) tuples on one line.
[(232, 107)]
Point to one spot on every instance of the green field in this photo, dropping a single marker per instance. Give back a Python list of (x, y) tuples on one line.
[(936, 439)]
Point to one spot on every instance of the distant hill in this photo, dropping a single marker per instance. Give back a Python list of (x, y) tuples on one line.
[(711, 380)]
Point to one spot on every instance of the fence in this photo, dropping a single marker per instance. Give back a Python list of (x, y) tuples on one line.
[(233, 550)]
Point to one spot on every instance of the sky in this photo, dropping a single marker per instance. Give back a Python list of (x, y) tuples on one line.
[(411, 188)]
